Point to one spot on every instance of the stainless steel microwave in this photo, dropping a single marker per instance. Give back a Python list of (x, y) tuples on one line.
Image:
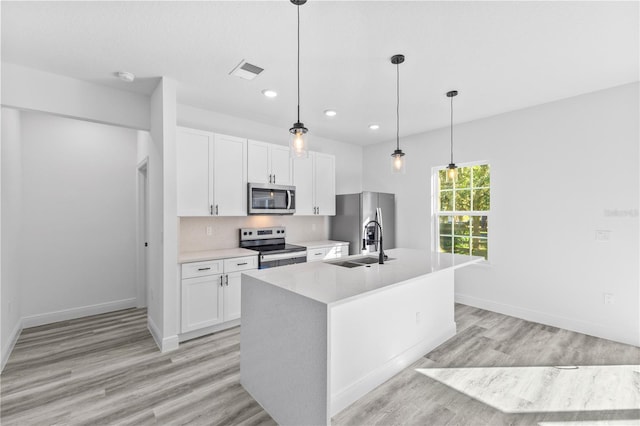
[(267, 198)]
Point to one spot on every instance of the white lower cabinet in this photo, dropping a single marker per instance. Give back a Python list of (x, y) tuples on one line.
[(211, 291)]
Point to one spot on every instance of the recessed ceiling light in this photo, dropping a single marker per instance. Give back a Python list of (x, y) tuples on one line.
[(330, 112), (126, 76), (270, 93), (374, 126)]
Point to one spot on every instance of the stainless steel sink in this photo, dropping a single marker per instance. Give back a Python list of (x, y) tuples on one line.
[(357, 261)]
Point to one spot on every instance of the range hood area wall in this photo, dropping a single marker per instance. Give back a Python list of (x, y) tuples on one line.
[(224, 230)]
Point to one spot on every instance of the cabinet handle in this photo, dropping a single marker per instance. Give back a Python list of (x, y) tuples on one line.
[(318, 210), (211, 209), (318, 254), (216, 210), (227, 281), (241, 264), (203, 269), (270, 179), (221, 281), (274, 178)]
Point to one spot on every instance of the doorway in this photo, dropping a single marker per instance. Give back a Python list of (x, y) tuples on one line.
[(143, 233)]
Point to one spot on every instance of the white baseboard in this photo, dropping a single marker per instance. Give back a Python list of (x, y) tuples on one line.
[(346, 396), (73, 313), (165, 344), (571, 324), (13, 338)]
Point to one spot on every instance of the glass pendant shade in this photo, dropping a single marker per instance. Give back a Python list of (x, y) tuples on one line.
[(398, 162), (298, 143), (452, 173)]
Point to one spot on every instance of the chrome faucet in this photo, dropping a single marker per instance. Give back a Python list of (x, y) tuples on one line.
[(381, 255)]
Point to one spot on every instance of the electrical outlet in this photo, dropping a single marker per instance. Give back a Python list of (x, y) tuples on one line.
[(603, 235), (209, 230), (609, 299)]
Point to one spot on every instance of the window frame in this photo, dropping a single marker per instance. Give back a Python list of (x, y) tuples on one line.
[(436, 214)]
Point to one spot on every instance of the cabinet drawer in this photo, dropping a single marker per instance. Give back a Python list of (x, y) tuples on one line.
[(316, 254), (201, 269), (240, 263)]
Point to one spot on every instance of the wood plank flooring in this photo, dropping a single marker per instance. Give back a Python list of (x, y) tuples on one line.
[(106, 370)]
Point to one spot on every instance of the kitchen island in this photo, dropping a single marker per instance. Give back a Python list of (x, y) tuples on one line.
[(318, 336)]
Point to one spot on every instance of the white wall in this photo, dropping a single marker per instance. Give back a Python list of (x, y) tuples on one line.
[(163, 313), (348, 156), (11, 225), (559, 172), (78, 215), (30, 89)]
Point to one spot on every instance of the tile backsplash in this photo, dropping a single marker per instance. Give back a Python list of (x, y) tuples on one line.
[(224, 230)]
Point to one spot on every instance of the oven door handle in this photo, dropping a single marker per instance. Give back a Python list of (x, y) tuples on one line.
[(288, 199), (292, 255)]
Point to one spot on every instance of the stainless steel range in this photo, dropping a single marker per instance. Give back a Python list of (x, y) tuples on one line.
[(270, 242)]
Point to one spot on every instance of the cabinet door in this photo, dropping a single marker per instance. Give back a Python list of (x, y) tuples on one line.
[(229, 176), (192, 172), (232, 296), (281, 165), (258, 168), (303, 180), (201, 302), (325, 184)]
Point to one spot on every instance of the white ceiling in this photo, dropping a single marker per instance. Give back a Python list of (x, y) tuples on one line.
[(501, 56)]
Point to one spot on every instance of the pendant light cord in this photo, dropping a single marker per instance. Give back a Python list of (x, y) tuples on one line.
[(298, 7), (451, 129), (398, 106)]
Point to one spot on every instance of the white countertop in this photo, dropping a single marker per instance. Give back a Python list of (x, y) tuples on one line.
[(319, 243), (197, 256), (331, 284)]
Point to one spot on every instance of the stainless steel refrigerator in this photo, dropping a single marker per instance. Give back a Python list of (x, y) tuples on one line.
[(353, 211)]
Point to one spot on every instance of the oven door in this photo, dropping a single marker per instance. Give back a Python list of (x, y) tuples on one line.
[(271, 199), (281, 259)]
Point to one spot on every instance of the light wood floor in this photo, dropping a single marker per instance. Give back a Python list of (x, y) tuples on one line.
[(106, 370)]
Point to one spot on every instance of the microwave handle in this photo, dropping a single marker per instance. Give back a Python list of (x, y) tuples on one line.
[(288, 199)]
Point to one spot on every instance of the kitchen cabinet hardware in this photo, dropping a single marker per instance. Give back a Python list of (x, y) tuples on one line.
[(203, 269), (241, 264), (216, 210), (227, 280), (221, 280), (211, 209)]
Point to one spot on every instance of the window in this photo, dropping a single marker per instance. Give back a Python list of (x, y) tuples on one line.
[(462, 211)]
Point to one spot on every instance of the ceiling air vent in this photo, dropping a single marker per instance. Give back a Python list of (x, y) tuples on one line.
[(246, 70)]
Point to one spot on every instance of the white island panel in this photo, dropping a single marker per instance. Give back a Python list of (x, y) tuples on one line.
[(374, 338)]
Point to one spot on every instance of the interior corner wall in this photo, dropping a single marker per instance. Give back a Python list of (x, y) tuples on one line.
[(79, 217), (348, 156), (163, 221), (559, 172), (34, 90), (11, 227)]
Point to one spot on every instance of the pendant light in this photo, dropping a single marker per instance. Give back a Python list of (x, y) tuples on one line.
[(452, 170), (398, 162), (298, 145)]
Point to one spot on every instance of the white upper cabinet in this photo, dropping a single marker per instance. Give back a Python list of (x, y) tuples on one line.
[(229, 176), (211, 174), (325, 183), (315, 181), (268, 163), (194, 181), (303, 180)]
